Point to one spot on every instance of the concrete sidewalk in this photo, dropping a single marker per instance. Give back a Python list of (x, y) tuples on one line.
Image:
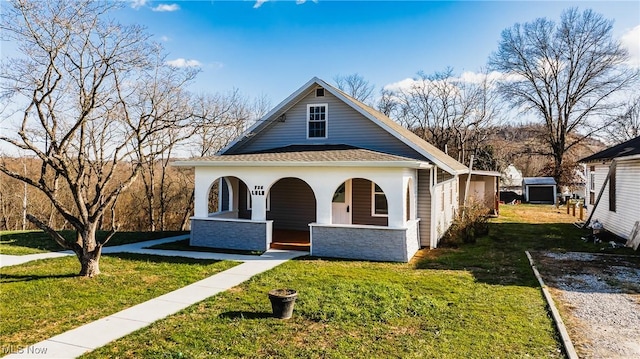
[(138, 247), (88, 337)]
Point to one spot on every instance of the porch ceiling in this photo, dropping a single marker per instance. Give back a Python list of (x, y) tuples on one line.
[(305, 155)]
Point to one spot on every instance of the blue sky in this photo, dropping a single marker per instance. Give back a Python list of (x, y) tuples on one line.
[(273, 47)]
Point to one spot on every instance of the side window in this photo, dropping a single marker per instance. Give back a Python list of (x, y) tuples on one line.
[(317, 120), (612, 191), (379, 206), (592, 185)]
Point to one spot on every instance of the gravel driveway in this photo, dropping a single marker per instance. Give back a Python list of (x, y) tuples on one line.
[(599, 300)]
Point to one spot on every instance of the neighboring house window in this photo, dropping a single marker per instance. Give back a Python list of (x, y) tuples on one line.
[(612, 191), (317, 121), (250, 201), (592, 186), (379, 206)]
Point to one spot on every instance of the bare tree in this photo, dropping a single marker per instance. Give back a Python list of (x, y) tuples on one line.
[(445, 110), (564, 73), (84, 114), (626, 125), (355, 86)]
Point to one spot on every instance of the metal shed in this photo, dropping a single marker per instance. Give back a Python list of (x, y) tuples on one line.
[(539, 189)]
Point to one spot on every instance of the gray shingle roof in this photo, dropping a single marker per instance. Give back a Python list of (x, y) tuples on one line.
[(311, 153), (415, 139), (629, 148)]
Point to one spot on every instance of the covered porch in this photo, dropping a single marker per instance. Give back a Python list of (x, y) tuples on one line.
[(346, 209)]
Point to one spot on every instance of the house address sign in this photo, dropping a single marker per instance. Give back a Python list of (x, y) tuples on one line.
[(258, 191)]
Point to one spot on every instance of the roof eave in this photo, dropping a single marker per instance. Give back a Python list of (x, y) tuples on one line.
[(387, 164)]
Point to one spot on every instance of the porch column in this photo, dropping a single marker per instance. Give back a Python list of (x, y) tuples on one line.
[(259, 207), (202, 182), (323, 205)]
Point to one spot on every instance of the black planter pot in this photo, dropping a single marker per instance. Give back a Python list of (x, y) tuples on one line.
[(282, 301)]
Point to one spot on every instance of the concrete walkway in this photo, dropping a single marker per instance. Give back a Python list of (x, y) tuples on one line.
[(88, 337), (138, 247)]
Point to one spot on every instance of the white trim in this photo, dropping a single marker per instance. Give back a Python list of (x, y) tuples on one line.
[(384, 164), (218, 219), (326, 120), (373, 201)]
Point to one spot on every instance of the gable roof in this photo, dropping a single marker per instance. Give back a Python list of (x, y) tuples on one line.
[(423, 147), (629, 148)]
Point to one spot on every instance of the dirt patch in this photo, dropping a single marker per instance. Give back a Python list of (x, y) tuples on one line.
[(599, 299)]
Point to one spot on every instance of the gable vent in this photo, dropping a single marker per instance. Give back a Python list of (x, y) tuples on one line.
[(319, 92)]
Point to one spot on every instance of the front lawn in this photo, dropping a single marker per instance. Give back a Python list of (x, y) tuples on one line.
[(43, 298), (30, 242), (474, 301)]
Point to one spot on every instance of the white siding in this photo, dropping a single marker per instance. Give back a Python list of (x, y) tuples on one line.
[(344, 125), (627, 211)]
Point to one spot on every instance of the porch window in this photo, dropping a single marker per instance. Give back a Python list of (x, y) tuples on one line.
[(317, 120), (379, 206)]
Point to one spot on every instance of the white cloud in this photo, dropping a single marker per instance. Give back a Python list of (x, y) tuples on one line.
[(479, 77), (259, 3), (411, 84), (166, 7), (300, 2), (136, 4), (631, 41), (164, 38), (405, 84), (180, 62)]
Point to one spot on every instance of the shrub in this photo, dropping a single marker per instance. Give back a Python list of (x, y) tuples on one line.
[(470, 222)]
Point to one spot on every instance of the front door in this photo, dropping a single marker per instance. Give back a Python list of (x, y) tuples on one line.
[(341, 204)]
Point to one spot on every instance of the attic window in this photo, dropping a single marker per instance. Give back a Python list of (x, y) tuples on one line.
[(319, 92), (317, 120)]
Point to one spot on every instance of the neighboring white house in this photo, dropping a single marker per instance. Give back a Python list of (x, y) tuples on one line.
[(321, 163), (615, 174), (511, 179)]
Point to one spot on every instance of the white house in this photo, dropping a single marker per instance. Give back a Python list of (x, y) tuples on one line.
[(325, 167), (511, 179), (613, 189)]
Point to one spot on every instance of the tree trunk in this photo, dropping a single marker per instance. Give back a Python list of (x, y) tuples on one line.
[(88, 251), (90, 263)]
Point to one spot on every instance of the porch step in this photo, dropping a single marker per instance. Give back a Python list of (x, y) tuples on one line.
[(292, 246)]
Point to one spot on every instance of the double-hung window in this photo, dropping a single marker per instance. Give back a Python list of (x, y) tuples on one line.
[(317, 120)]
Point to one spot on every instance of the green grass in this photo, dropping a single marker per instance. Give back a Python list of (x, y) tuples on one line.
[(183, 245), (43, 298), (474, 301), (30, 242), (355, 309)]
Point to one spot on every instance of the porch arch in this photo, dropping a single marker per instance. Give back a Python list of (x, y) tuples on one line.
[(292, 204), (223, 195), (364, 201)]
